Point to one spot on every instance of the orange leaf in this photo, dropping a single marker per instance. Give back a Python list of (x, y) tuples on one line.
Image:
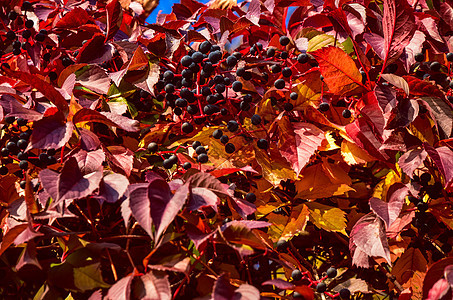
[(339, 70)]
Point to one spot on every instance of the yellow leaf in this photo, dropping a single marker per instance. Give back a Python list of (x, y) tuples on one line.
[(329, 143), (308, 89), (296, 222), (380, 190), (327, 217), (274, 167), (354, 155), (320, 41)]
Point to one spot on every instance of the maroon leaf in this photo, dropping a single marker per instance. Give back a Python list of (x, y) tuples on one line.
[(50, 133), (42, 86), (411, 160), (109, 119), (121, 289), (90, 161), (398, 24), (75, 18), (155, 287), (435, 272), (70, 183), (112, 187), (95, 79), (14, 109), (114, 18), (448, 274), (368, 239), (390, 210), (242, 207), (10, 236), (246, 292), (254, 11), (28, 257), (206, 180)]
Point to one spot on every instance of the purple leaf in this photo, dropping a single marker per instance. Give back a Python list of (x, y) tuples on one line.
[(208, 181), (121, 289), (438, 290), (120, 159), (88, 140), (448, 274), (411, 160), (70, 183), (50, 133), (390, 210), (247, 224), (28, 257), (415, 46), (112, 187), (202, 197), (139, 205), (15, 109), (442, 157), (243, 207), (247, 292), (254, 11), (95, 79), (368, 237), (222, 289), (386, 97), (280, 283), (97, 295), (376, 42), (155, 287), (90, 161)]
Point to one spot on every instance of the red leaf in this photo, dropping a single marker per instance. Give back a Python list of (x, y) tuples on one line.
[(112, 187), (254, 11), (398, 25), (114, 18), (201, 197), (42, 86), (90, 161), (368, 236), (95, 50), (280, 283), (419, 87), (88, 140), (120, 159), (435, 272), (222, 289), (442, 157), (339, 70), (390, 210), (75, 18), (9, 237), (155, 287)]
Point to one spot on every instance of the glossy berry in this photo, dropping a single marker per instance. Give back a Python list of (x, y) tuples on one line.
[(302, 58), (331, 272), (425, 178), (231, 61), (224, 139), (53, 76), (450, 57), (205, 47), (66, 61), (23, 184), (346, 113), (169, 88), (200, 149), (288, 106), (281, 245), (240, 72), (202, 158), (215, 57), (270, 52), (195, 145), (197, 57), (324, 106), (230, 148), (284, 40), (422, 206), (168, 164), (217, 134), (421, 57), (186, 127), (276, 69), (256, 119), (296, 275), (286, 72), (168, 76), (262, 144), (23, 164), (40, 37), (293, 96), (250, 197), (22, 122), (321, 287), (186, 61), (29, 23), (22, 156), (10, 120), (284, 55), (181, 102), (26, 6), (187, 165), (232, 126), (220, 88), (435, 66), (279, 84), (237, 86), (345, 294), (3, 170), (244, 105), (12, 15), (22, 144), (11, 35), (4, 152), (153, 147)]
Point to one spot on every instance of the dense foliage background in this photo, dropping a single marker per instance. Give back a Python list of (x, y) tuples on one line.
[(228, 151)]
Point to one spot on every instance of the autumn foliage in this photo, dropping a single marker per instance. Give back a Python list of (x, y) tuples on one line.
[(227, 151)]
